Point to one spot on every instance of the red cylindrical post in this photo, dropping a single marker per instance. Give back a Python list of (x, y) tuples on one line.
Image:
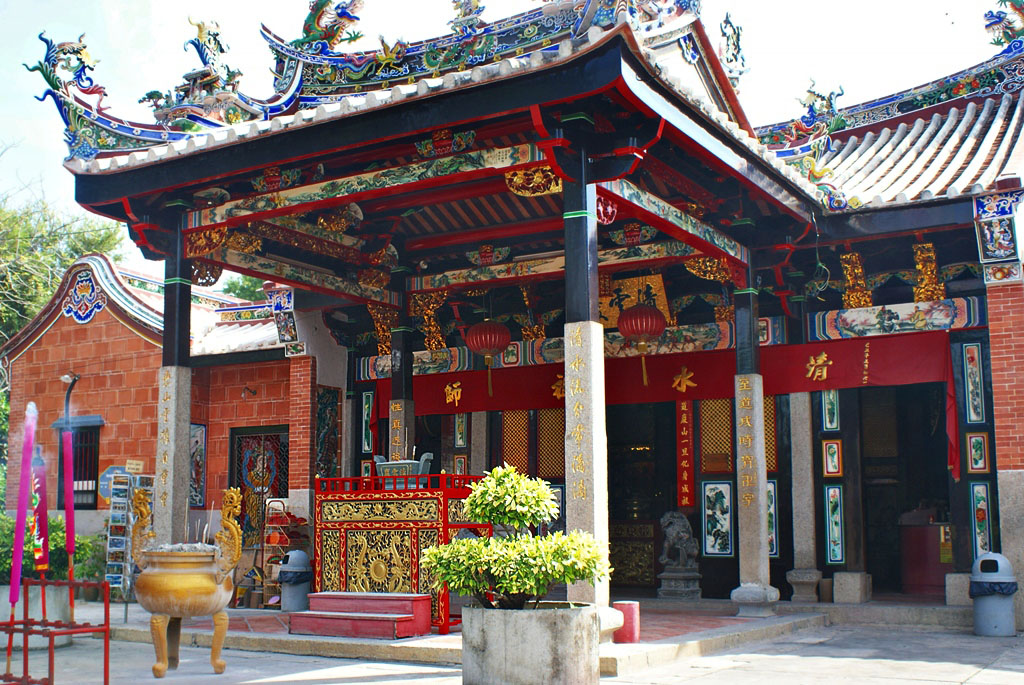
[(630, 630)]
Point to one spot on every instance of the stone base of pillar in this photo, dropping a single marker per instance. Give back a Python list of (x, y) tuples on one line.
[(755, 600), (679, 584), (957, 589), (851, 587), (805, 584)]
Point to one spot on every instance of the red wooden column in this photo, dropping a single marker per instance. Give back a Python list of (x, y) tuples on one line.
[(301, 433), (1006, 322)]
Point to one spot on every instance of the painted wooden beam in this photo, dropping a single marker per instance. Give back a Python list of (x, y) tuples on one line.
[(304, 278), (673, 221), (549, 267), (421, 174)]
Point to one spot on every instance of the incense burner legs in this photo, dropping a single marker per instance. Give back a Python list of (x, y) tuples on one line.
[(220, 630), (183, 581)]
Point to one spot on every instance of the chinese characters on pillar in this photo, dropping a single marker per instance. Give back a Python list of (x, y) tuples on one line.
[(867, 358), (684, 463), (575, 417), (396, 431), (746, 473), (164, 436)]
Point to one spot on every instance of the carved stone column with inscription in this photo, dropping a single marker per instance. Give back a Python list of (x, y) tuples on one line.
[(586, 444), (804, 575), (401, 416), (755, 594)]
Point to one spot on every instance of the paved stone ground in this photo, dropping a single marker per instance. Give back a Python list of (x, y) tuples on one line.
[(861, 654)]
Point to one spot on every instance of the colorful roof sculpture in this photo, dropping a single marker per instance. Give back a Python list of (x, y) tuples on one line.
[(949, 138), (316, 82), (220, 324)]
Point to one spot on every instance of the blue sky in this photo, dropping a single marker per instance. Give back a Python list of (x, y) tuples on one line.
[(870, 48)]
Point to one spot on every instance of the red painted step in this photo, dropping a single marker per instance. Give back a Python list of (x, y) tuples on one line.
[(387, 615), (350, 624)]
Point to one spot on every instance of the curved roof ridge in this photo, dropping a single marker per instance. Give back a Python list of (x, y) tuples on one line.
[(869, 162), (922, 171), (1000, 159), (953, 143), (984, 148), (861, 155), (890, 183), (873, 180), (967, 145)]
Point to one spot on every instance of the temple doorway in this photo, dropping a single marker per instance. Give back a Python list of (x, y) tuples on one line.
[(905, 488)]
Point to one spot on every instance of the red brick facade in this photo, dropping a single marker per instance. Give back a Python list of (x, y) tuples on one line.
[(1005, 324), (118, 369)]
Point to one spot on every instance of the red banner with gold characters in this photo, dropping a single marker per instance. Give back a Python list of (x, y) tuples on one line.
[(684, 463)]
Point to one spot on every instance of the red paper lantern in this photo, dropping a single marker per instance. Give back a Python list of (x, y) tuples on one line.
[(490, 339), (642, 324)]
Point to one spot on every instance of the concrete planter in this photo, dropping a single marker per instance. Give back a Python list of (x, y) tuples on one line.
[(555, 643), (57, 608)]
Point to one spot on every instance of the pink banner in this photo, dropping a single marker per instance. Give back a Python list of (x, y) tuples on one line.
[(69, 492), (24, 493), (40, 524)]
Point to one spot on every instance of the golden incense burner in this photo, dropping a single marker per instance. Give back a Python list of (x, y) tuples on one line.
[(181, 581)]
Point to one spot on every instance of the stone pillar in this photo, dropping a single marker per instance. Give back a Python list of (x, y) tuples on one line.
[(301, 434), (1006, 316), (478, 441), (755, 594), (174, 403), (401, 416), (804, 575), (586, 444), (586, 441)]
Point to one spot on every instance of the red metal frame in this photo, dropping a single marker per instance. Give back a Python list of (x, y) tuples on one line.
[(53, 629), (443, 487)]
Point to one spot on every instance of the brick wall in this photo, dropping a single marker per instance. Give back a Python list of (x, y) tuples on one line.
[(1006, 324), (302, 424), (218, 401), (119, 376)]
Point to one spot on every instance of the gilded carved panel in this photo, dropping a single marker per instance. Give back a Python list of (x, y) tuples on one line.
[(380, 510), (428, 538), (378, 560), (330, 561)]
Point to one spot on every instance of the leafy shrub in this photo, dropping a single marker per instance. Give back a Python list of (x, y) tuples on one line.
[(58, 555), (507, 572)]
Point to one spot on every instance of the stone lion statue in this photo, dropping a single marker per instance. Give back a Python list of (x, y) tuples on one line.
[(679, 549)]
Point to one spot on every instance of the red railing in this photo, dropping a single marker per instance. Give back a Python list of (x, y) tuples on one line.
[(53, 629), (447, 489)]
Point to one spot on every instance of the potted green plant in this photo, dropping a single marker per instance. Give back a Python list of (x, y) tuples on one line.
[(513, 570)]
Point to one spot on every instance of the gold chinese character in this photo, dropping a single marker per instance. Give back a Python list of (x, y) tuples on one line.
[(396, 424), (163, 477), (684, 418), (745, 422), (682, 381), (165, 414), (684, 431), (165, 437), (579, 490), (576, 386), (684, 487), (744, 384), (577, 337), (163, 498), (686, 474), (746, 441), (453, 393), (396, 406), (746, 402), (578, 465), (577, 409), (817, 367), (684, 450), (748, 461), (163, 457), (558, 387), (396, 456), (578, 432), (577, 363), (396, 441), (747, 480), (748, 497)]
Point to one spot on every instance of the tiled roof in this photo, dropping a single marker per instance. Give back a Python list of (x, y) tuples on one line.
[(224, 337)]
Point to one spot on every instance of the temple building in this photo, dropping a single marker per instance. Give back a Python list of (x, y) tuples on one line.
[(555, 241)]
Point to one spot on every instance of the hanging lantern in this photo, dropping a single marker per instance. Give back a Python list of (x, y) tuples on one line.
[(642, 324), (490, 339)]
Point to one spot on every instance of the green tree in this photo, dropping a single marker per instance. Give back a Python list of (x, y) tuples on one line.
[(37, 245), (245, 287)]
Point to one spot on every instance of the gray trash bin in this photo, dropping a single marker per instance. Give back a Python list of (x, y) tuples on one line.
[(295, 576), (992, 588)]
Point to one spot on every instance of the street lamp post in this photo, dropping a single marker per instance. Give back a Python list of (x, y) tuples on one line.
[(67, 450)]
